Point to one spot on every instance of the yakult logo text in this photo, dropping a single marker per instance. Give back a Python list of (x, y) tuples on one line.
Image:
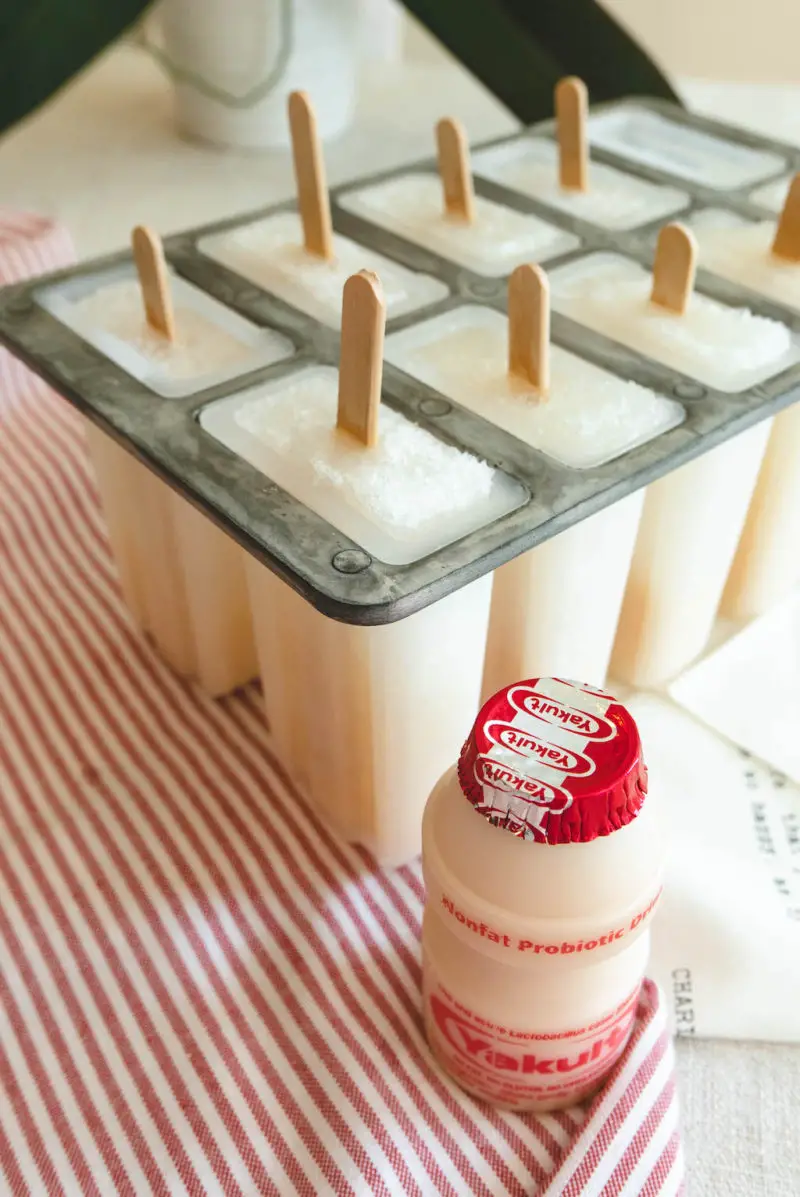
[(559, 714), (470, 1041), (524, 744), (503, 777)]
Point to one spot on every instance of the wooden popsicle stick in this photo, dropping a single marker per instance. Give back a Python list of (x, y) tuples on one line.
[(361, 357), (529, 327), (309, 172), (571, 102), (787, 235), (151, 267), (453, 153), (674, 268)]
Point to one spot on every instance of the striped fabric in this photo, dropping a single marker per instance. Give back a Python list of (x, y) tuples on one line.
[(201, 991)]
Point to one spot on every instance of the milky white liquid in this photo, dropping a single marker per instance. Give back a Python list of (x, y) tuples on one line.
[(555, 608), (693, 517), (590, 417), (498, 239), (495, 904), (366, 718), (401, 500), (767, 564), (344, 702), (270, 253), (212, 342), (727, 348), (213, 567), (740, 250), (691, 522), (181, 577), (613, 199)]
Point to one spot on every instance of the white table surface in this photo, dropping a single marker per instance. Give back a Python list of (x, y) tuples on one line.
[(103, 156)]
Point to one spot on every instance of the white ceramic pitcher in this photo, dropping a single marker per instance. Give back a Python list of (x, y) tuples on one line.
[(233, 63)]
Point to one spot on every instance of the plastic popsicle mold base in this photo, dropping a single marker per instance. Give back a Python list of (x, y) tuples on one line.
[(182, 578), (365, 759), (328, 568)]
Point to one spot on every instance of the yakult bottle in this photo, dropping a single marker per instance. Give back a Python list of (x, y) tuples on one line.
[(542, 858)]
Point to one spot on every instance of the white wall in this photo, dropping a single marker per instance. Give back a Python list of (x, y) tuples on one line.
[(749, 40)]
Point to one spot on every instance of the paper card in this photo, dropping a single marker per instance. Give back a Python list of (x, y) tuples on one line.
[(726, 941)]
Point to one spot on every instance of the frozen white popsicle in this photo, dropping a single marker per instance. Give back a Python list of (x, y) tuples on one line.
[(612, 199), (741, 250), (187, 576), (556, 606), (591, 416), (691, 519), (765, 567), (413, 494), (499, 239), (297, 256), (343, 701), (270, 253), (492, 241), (183, 579), (727, 348), (365, 718), (212, 343)]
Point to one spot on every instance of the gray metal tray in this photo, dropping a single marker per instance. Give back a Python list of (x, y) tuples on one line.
[(328, 569)]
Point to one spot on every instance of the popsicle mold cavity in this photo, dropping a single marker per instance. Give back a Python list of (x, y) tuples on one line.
[(677, 149), (270, 253), (614, 200), (499, 238), (199, 346), (740, 250), (590, 417), (727, 348), (407, 497), (396, 700), (213, 344)]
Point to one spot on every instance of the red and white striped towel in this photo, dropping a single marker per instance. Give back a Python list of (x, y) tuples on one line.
[(201, 991)]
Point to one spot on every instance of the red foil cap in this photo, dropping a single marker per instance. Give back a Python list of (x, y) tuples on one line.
[(554, 761)]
